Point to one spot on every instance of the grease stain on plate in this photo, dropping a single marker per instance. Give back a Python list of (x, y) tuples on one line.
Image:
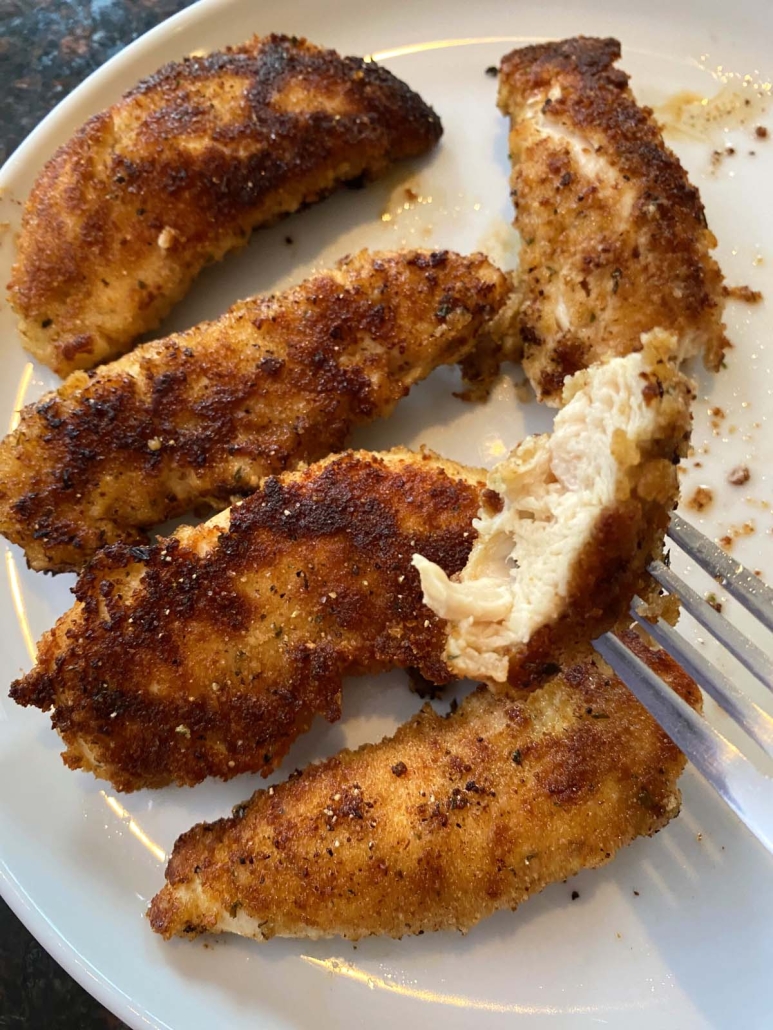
[(741, 102)]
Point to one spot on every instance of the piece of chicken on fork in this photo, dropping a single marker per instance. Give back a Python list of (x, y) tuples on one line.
[(444, 823), (209, 653), (200, 417), (179, 172), (583, 512), (614, 236)]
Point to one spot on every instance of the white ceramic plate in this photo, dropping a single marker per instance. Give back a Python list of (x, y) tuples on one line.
[(78, 865)]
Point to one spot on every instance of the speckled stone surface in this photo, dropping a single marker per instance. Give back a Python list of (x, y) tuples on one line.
[(46, 48)]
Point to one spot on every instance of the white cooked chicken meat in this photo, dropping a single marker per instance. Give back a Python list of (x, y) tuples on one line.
[(583, 512)]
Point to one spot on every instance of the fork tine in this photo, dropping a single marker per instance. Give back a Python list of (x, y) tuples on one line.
[(749, 716), (751, 656), (739, 581), (746, 790)]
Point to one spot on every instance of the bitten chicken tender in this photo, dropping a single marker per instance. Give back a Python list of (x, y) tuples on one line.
[(614, 237), (583, 512), (204, 415), (179, 172), (209, 653), (441, 825)]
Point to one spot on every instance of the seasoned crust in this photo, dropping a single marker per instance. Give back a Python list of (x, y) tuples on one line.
[(587, 60), (615, 241), (207, 654), (181, 170), (204, 415), (441, 825)]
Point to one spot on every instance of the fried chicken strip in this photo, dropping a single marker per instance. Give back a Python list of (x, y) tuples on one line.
[(441, 825), (614, 237), (209, 653), (206, 414), (583, 512), (179, 172)]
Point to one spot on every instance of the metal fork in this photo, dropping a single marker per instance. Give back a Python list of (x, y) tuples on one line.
[(738, 781)]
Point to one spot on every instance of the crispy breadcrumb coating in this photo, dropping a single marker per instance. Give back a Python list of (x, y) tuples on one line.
[(208, 654), (614, 236), (202, 416), (442, 824), (180, 171)]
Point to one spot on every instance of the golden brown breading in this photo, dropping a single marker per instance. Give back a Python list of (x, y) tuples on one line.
[(207, 654), (441, 825), (615, 241), (181, 170), (204, 415), (583, 512)]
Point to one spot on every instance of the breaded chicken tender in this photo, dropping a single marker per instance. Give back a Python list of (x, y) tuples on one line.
[(614, 237), (202, 416), (583, 511), (441, 825), (179, 172), (209, 653)]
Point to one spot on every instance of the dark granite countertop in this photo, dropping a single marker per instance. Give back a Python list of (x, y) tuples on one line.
[(46, 48)]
